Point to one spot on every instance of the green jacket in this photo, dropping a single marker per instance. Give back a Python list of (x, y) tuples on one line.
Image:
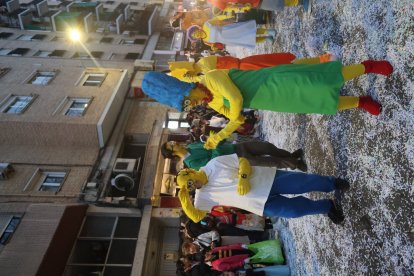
[(199, 156)]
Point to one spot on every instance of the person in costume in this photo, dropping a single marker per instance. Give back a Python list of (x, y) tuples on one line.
[(228, 33), (245, 5), (257, 152), (229, 180), (232, 257), (194, 71), (189, 18), (292, 88)]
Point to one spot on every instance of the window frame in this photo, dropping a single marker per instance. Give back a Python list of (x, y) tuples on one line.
[(11, 99), (10, 231), (42, 53), (45, 174), (72, 100), (181, 120), (87, 75), (40, 73)]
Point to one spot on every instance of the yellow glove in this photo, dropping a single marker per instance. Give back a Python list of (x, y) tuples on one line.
[(244, 186), (212, 142), (226, 132), (244, 174), (193, 213)]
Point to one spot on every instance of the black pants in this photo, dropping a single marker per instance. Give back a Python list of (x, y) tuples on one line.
[(266, 154), (231, 230)]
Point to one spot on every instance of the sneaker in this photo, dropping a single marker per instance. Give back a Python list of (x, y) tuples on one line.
[(269, 39), (341, 184), (301, 165), (298, 154), (336, 213)]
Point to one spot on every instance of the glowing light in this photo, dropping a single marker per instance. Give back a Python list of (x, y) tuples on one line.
[(74, 35)]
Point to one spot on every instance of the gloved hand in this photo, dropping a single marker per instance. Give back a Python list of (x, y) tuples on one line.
[(243, 187), (244, 174), (212, 142)]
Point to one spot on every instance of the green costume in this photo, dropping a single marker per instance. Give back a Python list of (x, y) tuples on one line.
[(199, 156), (294, 88)]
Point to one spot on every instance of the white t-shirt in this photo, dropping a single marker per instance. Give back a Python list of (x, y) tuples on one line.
[(221, 189)]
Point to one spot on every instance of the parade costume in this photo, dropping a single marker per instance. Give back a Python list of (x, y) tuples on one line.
[(229, 34), (293, 88), (244, 5), (231, 257), (257, 190), (257, 152), (194, 71)]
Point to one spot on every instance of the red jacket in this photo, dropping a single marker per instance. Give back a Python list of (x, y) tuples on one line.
[(229, 263)]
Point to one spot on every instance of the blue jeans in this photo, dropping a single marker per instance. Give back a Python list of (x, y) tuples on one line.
[(287, 182)]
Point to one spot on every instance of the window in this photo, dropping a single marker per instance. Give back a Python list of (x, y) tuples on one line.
[(18, 52), (132, 56), (42, 53), (106, 39), (4, 51), (52, 181), (32, 37), (77, 106), (81, 55), (105, 246), (176, 120), (132, 41), (9, 230), (43, 77), (17, 104), (4, 35), (94, 79), (59, 38), (57, 53), (25, 37), (96, 54)]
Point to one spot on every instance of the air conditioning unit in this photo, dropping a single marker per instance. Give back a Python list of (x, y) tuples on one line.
[(5, 171), (124, 166), (123, 182)]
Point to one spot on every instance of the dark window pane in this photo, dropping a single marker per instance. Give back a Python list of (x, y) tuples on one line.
[(90, 251), (18, 52), (95, 226), (132, 56), (139, 41), (106, 39), (84, 270), (117, 271), (5, 237), (39, 37), (4, 35), (57, 53), (122, 252), (127, 227), (96, 54)]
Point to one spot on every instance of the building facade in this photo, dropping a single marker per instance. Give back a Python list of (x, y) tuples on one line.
[(82, 181)]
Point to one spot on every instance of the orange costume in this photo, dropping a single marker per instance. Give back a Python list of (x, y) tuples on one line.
[(193, 72), (222, 4), (254, 62)]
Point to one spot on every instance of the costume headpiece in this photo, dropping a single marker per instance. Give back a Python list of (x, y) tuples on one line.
[(166, 89)]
